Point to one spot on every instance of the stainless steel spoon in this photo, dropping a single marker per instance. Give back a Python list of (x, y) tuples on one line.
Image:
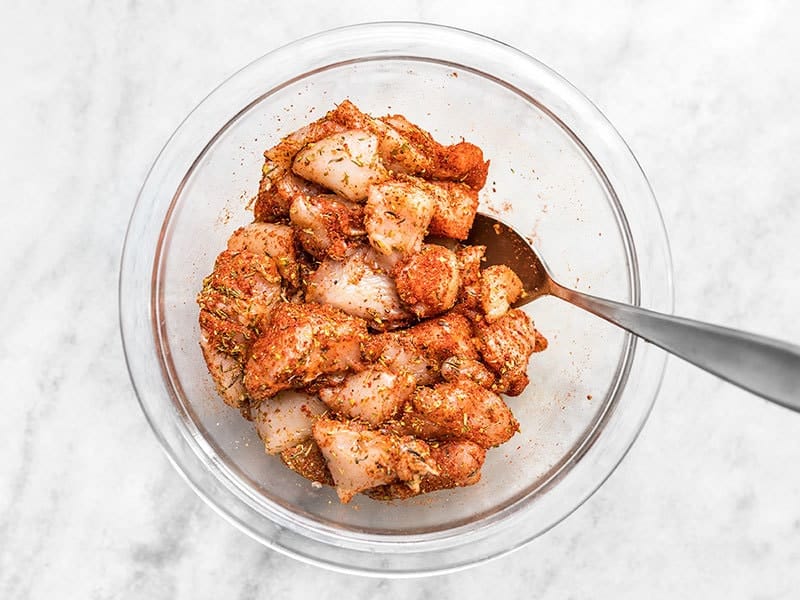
[(764, 366)]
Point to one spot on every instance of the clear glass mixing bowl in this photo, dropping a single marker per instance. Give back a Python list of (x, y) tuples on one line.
[(560, 174)]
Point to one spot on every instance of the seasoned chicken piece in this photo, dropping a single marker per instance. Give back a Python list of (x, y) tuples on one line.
[(459, 464), (469, 263), (400, 156), (306, 459), (243, 287), (506, 345), (397, 353), (356, 286), (225, 335), (360, 459), (285, 420), (468, 411), (500, 288), (410, 422), (420, 350), (278, 188), (462, 162), (442, 337), (235, 301), (469, 294), (283, 152), (396, 152), (405, 148), (456, 367), (396, 216), (349, 116), (326, 225), (373, 395), (459, 162), (347, 163), (227, 373), (454, 209), (276, 241), (225, 345), (299, 343), (428, 280)]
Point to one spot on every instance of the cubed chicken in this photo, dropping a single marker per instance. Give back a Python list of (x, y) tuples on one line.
[(356, 286), (454, 209), (285, 420), (346, 163), (397, 352), (457, 367), (461, 162), (326, 225), (236, 300), (359, 458), (276, 192), (500, 287), (506, 346), (459, 464), (396, 216), (306, 460), (444, 336), (225, 345), (299, 343), (274, 240), (467, 411), (428, 281), (396, 152), (243, 287), (373, 395)]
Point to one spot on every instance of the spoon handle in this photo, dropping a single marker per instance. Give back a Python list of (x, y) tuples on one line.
[(767, 367)]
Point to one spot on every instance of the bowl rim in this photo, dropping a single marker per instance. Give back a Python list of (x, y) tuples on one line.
[(128, 331)]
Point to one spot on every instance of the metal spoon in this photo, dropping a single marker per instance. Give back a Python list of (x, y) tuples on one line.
[(767, 367)]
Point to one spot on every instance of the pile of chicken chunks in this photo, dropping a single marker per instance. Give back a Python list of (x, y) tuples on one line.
[(348, 322)]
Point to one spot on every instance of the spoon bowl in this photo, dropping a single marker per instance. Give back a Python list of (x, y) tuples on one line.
[(504, 246)]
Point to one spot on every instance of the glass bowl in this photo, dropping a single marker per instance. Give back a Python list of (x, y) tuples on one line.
[(560, 174)]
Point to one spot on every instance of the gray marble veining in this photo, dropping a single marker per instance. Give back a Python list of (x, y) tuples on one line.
[(705, 505)]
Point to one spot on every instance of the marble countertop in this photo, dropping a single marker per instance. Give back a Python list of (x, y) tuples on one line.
[(707, 504)]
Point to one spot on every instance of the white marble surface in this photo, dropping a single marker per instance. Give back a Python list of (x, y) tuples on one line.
[(706, 505)]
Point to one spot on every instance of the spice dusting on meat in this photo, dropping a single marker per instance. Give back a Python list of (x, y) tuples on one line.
[(370, 355)]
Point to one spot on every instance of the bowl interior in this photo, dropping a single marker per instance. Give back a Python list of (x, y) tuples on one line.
[(541, 181)]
